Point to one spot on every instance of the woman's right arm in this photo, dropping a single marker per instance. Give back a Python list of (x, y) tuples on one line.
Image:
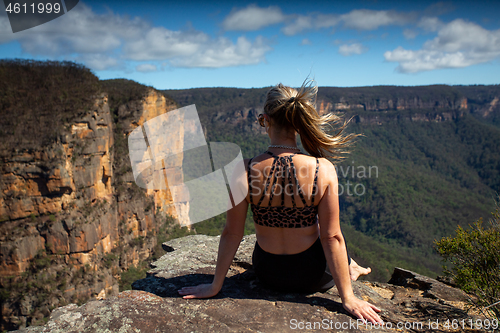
[(334, 245), (230, 238)]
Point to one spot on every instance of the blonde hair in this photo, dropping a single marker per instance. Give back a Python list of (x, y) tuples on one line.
[(292, 109)]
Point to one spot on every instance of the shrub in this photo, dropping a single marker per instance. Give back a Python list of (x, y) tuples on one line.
[(132, 274), (4, 295), (109, 260), (138, 241), (41, 261), (475, 256)]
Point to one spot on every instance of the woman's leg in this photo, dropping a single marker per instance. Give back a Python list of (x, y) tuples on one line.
[(355, 271)]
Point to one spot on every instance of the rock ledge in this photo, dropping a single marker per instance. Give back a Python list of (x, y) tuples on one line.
[(243, 305)]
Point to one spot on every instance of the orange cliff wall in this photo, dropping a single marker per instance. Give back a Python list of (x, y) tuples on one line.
[(44, 189), (154, 105), (73, 206), (64, 199)]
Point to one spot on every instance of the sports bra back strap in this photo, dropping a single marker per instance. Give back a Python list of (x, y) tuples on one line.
[(279, 162), (284, 163), (315, 184), (267, 182), (248, 179), (297, 183), (289, 172)]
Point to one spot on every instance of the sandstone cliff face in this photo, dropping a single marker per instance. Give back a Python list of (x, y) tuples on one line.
[(454, 102), (59, 180), (72, 217), (409, 302), (386, 109), (380, 111), (130, 116), (386, 98)]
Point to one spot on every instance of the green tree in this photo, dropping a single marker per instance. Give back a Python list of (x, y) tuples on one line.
[(475, 255)]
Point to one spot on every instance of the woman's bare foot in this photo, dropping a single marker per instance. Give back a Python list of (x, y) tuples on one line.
[(355, 271)]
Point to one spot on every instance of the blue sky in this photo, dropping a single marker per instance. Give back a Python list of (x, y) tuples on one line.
[(186, 44)]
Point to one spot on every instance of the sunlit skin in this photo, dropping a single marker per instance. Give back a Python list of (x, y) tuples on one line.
[(292, 240)]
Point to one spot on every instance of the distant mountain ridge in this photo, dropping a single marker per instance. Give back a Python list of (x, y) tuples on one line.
[(479, 100)]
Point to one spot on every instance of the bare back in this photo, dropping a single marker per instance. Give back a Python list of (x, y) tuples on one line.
[(298, 191)]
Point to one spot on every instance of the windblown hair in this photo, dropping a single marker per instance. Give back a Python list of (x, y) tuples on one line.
[(289, 108)]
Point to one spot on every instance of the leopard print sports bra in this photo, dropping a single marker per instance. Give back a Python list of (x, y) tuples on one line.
[(281, 216)]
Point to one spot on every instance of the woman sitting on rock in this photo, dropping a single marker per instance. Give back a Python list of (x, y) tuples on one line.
[(295, 205)]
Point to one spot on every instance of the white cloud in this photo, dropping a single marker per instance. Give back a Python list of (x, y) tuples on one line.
[(462, 35), (410, 34), (159, 43), (79, 31), (299, 24), (350, 49), (426, 60), (326, 21), (366, 19), (100, 62), (359, 19), (105, 41), (306, 41), (430, 23), (224, 53), (458, 44), (145, 68), (253, 18), (196, 49)]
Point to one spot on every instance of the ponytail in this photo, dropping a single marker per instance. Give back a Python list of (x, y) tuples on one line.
[(289, 108)]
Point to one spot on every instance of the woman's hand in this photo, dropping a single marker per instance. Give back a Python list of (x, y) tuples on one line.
[(199, 291), (363, 310)]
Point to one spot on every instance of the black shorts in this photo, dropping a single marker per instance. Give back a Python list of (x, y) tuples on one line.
[(302, 272)]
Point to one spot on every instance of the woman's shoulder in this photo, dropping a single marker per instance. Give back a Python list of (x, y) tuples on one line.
[(326, 168), (253, 160), (322, 161), (256, 158)]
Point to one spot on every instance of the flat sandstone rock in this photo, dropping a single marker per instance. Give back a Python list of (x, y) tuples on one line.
[(409, 303)]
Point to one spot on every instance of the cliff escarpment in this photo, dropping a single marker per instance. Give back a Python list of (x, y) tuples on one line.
[(376, 105), (383, 98), (72, 217)]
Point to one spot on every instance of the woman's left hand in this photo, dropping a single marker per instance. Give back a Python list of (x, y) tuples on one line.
[(363, 310), (199, 291)]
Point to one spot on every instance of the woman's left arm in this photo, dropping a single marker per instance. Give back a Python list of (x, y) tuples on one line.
[(229, 241)]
